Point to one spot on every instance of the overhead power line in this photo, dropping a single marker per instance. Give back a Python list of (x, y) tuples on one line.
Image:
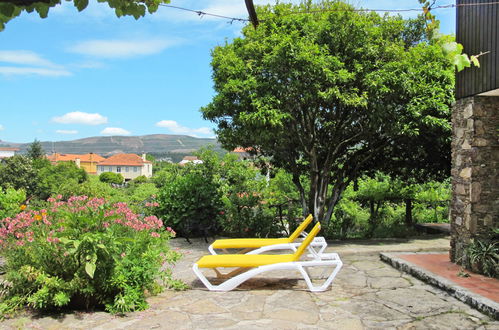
[(202, 13)]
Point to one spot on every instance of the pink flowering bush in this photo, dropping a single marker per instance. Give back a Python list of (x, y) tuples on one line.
[(84, 252)]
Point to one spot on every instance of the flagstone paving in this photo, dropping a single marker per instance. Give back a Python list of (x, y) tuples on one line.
[(367, 294)]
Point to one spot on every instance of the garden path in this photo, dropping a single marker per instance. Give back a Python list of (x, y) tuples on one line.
[(367, 294)]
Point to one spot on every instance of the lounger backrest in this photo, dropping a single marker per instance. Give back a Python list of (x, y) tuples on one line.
[(306, 242), (301, 228)]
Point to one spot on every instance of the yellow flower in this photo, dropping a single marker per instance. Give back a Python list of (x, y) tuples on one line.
[(22, 207), (38, 217)]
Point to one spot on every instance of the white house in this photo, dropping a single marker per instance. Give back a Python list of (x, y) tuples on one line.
[(190, 159), (128, 165), (7, 152)]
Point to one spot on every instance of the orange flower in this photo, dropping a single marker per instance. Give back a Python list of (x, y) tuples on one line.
[(22, 207), (38, 217)]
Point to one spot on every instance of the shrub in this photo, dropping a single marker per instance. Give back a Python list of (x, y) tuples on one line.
[(140, 179), (11, 202), (192, 204), (60, 178), (483, 256), (110, 177), (83, 253)]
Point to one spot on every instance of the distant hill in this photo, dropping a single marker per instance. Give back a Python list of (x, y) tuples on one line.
[(158, 145)]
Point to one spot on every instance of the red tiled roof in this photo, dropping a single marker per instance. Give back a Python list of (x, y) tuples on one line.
[(55, 157), (9, 149), (124, 160), (91, 157), (86, 158), (240, 149)]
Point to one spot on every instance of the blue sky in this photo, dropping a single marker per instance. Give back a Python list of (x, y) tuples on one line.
[(75, 75)]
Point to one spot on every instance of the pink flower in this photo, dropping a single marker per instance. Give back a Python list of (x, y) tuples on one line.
[(59, 196), (169, 228), (155, 234), (123, 254), (106, 224)]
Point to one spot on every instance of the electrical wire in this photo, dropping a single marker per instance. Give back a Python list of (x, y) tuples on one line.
[(244, 20)]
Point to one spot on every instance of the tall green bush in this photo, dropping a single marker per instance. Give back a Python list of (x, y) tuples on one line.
[(111, 177), (191, 203)]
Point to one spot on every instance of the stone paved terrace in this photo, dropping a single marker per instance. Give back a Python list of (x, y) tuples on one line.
[(367, 294)]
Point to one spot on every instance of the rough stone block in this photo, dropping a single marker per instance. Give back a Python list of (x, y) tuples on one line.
[(459, 189), (465, 173), (466, 145), (479, 142), (475, 191), (467, 111)]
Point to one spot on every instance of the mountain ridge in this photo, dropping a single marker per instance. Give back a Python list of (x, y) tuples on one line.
[(155, 144)]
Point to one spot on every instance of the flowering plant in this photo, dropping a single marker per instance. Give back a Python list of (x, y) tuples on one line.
[(84, 252)]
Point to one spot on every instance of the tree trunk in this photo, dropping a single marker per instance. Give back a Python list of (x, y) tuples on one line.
[(408, 212), (303, 198)]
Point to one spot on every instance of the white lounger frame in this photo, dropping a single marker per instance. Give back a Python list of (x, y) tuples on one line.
[(326, 259)]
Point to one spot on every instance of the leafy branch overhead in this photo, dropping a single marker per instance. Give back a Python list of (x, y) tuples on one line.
[(452, 49), (10, 9)]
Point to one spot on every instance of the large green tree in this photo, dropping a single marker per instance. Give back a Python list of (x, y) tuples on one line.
[(136, 8), (331, 94), (18, 172), (35, 150)]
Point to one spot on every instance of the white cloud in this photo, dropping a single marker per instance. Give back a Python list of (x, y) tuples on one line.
[(83, 118), (122, 48), (25, 57), (63, 131), (115, 131), (176, 128), (1, 127), (88, 65), (12, 70)]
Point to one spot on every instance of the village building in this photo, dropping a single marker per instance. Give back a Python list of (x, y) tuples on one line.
[(128, 165), (243, 153), (88, 162), (7, 152), (190, 159)]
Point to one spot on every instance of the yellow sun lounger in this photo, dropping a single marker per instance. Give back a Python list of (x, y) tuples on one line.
[(249, 265), (260, 245)]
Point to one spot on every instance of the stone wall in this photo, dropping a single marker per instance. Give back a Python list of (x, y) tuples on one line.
[(475, 171)]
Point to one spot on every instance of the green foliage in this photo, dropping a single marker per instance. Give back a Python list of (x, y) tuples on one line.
[(35, 150), (243, 186), (191, 203), (377, 207), (111, 177), (167, 172), (93, 187), (18, 172), (140, 179), (141, 192), (281, 194), (11, 202), (61, 178), (483, 256), (332, 95), (83, 253), (10, 9)]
